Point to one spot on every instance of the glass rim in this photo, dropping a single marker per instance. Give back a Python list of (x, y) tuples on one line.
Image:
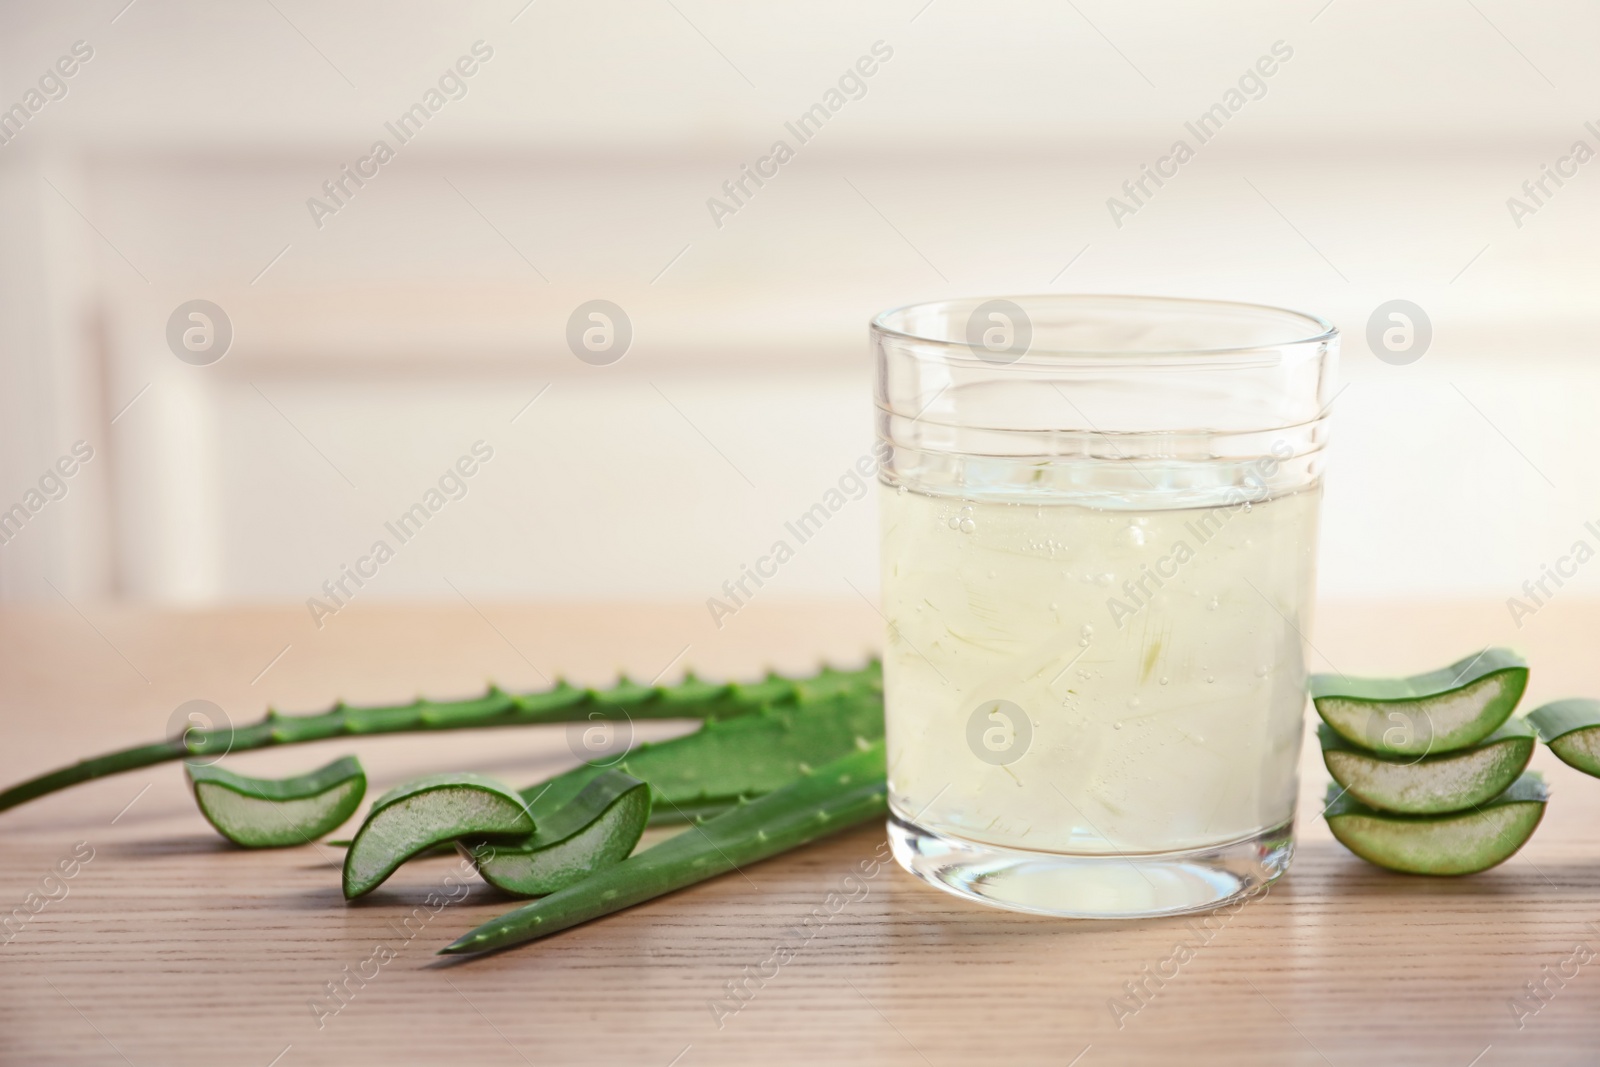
[(1321, 330)]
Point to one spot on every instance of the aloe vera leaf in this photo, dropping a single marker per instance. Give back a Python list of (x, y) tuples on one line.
[(1572, 730), (1463, 842), (694, 811), (690, 699), (1430, 785), (276, 812), (1425, 714), (832, 798), (598, 828), (703, 773), (420, 814)]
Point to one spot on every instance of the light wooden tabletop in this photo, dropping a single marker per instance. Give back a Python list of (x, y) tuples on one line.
[(170, 947)]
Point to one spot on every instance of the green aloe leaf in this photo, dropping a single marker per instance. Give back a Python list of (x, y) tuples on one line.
[(1572, 730), (1430, 785), (704, 773), (692, 698), (1463, 842), (277, 812), (824, 801), (420, 814), (1425, 714), (599, 827)]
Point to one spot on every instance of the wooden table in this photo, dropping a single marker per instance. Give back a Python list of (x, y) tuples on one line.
[(170, 947)]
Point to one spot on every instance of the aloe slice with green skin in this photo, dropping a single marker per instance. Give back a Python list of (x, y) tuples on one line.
[(842, 794), (704, 773), (701, 775), (1430, 785), (598, 828), (277, 812), (1425, 714), (1464, 842), (420, 814), (1572, 730)]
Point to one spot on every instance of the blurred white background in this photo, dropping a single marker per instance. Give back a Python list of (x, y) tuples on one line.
[(371, 352)]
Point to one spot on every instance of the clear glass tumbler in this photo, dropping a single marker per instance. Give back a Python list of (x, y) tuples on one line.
[(1099, 549)]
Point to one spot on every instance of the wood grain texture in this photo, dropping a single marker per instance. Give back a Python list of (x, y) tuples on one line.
[(172, 947)]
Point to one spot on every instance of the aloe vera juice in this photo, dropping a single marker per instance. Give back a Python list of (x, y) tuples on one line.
[(1087, 680)]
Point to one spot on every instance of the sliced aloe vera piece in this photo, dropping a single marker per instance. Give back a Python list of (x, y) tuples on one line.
[(276, 812), (687, 813), (1572, 730), (1430, 785), (1464, 842), (599, 827), (1425, 714), (418, 815)]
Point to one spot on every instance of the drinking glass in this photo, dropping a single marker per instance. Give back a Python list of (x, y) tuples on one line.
[(1098, 546)]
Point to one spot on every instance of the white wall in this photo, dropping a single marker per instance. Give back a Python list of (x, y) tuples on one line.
[(423, 315)]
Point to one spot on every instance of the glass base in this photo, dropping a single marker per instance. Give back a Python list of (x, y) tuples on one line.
[(1132, 886)]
